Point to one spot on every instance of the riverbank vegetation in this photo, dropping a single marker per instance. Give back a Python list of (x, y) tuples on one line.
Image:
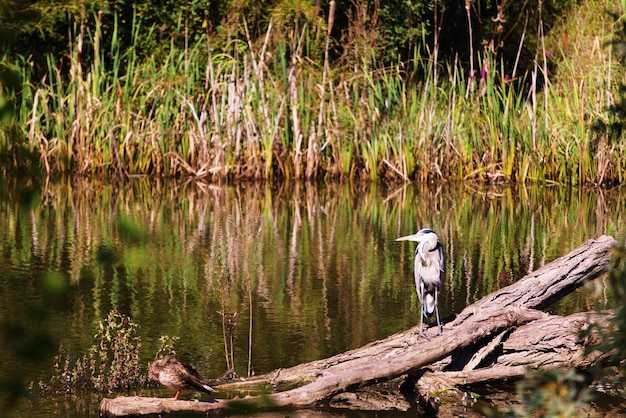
[(320, 90)]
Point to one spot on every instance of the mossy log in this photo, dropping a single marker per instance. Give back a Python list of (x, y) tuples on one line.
[(487, 338)]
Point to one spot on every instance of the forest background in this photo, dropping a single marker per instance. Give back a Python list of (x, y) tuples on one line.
[(496, 91)]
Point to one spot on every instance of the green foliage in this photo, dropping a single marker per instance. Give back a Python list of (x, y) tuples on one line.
[(554, 393), (402, 23), (616, 122), (501, 27), (396, 27), (111, 365), (167, 346)]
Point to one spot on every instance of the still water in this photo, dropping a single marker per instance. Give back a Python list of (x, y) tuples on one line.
[(306, 271)]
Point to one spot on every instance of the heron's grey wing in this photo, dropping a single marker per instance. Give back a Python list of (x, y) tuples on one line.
[(440, 248), (441, 266)]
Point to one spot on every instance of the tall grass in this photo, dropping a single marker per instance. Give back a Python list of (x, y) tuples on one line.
[(277, 107)]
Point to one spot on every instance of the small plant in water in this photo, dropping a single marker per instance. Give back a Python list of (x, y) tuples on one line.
[(112, 364), (167, 346)]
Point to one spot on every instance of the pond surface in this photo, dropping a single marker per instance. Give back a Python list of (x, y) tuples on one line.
[(309, 271)]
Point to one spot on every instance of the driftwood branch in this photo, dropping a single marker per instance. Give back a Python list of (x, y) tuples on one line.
[(475, 342), (549, 343)]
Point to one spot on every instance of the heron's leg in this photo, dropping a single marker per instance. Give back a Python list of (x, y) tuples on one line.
[(176, 396), (439, 328), (421, 333), (420, 296)]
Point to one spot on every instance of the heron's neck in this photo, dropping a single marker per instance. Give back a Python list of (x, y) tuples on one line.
[(428, 246), (423, 249)]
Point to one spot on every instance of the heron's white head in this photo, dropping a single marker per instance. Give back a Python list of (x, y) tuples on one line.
[(422, 235)]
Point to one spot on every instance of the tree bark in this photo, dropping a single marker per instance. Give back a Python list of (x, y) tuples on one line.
[(550, 343), (488, 334)]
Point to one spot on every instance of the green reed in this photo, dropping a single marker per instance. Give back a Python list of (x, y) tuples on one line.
[(275, 107)]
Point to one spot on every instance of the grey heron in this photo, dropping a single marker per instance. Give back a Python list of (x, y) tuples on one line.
[(428, 272)]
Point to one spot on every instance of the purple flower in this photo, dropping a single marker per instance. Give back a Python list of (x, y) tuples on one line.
[(483, 73), (506, 78), (548, 54)]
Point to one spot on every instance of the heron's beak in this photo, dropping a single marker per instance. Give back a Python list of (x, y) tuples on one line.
[(417, 237)]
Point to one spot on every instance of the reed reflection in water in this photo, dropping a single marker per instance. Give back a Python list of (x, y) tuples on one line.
[(264, 276)]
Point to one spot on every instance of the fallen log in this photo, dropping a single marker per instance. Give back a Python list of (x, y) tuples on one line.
[(549, 343), (467, 341), (125, 406)]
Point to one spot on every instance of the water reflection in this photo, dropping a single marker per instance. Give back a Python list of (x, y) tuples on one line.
[(302, 271)]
